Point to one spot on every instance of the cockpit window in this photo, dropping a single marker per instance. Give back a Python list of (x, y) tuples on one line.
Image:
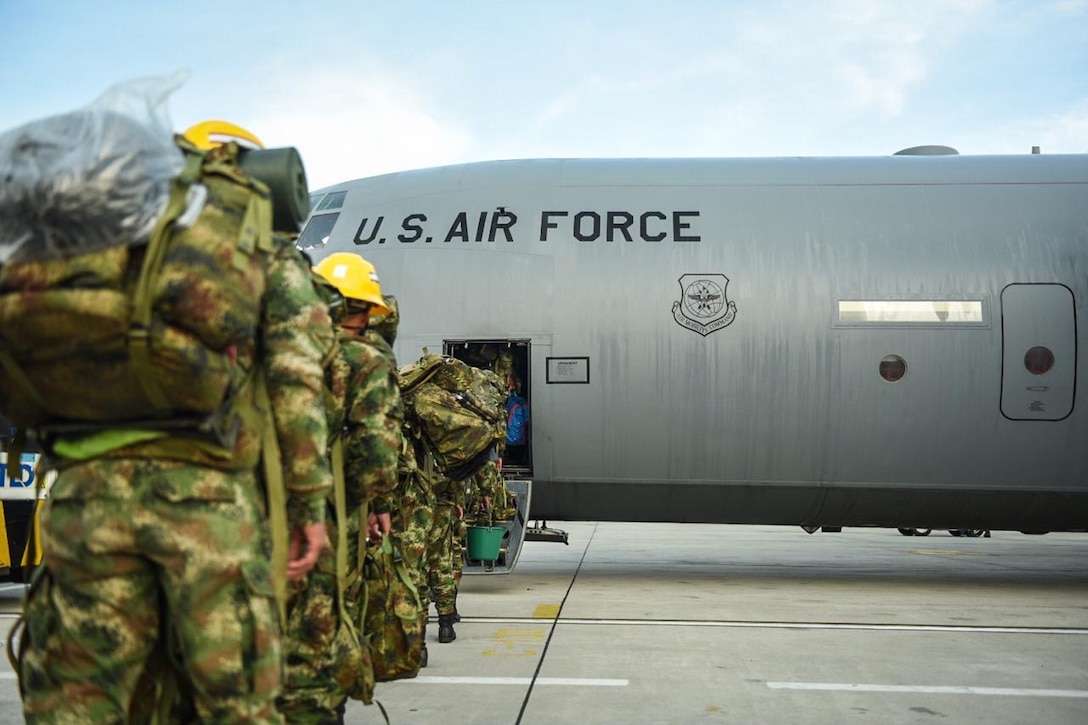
[(317, 231), (335, 200)]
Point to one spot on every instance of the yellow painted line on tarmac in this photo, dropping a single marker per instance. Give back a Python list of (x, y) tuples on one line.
[(516, 642), (546, 611)]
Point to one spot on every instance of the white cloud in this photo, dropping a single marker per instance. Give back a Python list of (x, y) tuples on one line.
[(869, 57), (782, 78), (750, 79), (348, 125)]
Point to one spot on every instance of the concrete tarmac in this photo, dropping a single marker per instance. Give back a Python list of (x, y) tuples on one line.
[(684, 623)]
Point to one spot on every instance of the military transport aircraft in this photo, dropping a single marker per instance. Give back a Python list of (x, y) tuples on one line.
[(822, 342)]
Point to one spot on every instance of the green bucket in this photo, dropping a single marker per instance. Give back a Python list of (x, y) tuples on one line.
[(484, 542)]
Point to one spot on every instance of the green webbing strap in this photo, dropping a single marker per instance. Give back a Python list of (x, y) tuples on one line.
[(276, 493), (402, 572), (257, 231), (140, 325), (340, 496), (102, 442), (364, 515), (343, 580)]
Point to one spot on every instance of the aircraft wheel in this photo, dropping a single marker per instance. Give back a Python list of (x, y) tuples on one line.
[(973, 533), (922, 532), (907, 532)]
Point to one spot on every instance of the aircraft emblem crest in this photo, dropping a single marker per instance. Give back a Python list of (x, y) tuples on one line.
[(703, 306)]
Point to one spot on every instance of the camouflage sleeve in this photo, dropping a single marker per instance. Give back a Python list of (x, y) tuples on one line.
[(297, 336), (374, 417)]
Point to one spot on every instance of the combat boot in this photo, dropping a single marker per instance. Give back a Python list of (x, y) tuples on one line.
[(445, 628), (456, 615)]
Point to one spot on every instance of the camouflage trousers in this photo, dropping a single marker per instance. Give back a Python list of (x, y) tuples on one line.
[(144, 557), (444, 556), (324, 654), (412, 523)]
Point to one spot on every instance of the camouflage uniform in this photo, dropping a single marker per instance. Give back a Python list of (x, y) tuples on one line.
[(413, 519), (167, 540), (413, 507), (375, 414), (313, 636), (444, 549), (487, 484), (368, 414)]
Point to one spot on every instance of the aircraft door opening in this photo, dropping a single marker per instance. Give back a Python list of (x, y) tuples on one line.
[(510, 360), (1039, 351)]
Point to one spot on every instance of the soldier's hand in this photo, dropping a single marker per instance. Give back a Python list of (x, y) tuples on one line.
[(306, 545), (378, 525)]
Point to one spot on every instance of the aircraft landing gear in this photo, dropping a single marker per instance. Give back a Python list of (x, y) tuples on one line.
[(915, 532), (539, 531)]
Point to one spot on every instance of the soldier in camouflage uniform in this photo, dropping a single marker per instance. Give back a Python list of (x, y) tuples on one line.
[(158, 540), (373, 409), (363, 375), (444, 553), (413, 511), (413, 519), (447, 540), (321, 650)]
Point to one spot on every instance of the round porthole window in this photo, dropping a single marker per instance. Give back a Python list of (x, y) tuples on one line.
[(1038, 360), (892, 368)]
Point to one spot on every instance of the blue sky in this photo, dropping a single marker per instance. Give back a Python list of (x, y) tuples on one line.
[(367, 87)]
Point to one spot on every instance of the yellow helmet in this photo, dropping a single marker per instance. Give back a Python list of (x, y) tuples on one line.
[(209, 134), (355, 277)]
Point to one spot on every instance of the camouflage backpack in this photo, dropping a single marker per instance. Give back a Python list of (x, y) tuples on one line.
[(393, 623), (140, 333), (457, 410)]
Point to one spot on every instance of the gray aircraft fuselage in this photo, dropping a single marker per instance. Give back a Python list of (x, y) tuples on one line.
[(885, 341)]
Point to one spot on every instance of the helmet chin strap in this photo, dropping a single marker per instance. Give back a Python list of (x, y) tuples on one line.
[(354, 330)]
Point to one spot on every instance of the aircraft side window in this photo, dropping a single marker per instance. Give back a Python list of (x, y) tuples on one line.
[(1039, 360), (317, 231), (892, 368), (911, 312)]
